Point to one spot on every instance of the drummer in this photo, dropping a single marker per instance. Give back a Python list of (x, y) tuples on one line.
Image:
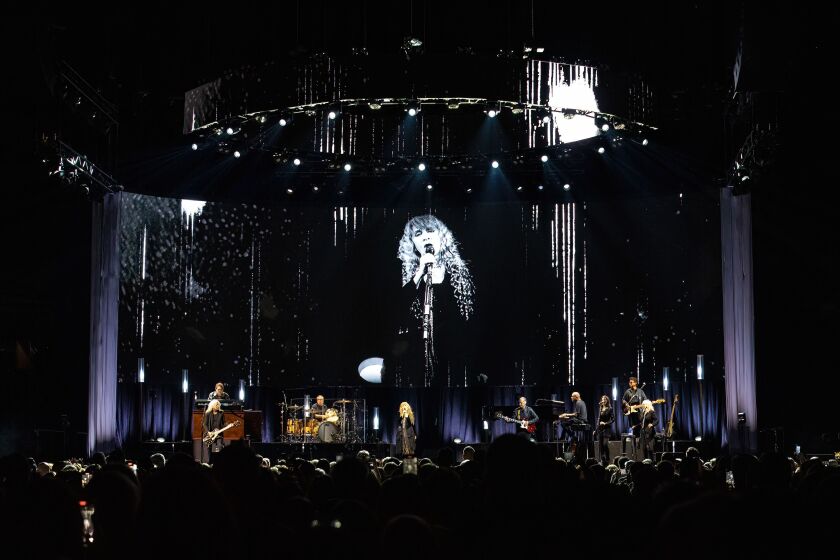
[(319, 409)]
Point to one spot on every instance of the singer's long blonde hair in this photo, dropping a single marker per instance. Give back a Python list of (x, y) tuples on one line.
[(212, 405), (407, 407), (449, 257)]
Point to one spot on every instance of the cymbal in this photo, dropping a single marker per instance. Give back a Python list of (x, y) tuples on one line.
[(343, 401), (293, 407)]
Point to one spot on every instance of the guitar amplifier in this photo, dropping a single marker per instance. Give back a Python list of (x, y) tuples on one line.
[(614, 449)]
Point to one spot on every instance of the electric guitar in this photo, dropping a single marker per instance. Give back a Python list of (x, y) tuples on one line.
[(630, 409), (210, 437), (531, 428), (669, 429)]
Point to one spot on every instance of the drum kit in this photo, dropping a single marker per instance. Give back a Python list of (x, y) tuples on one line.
[(338, 424)]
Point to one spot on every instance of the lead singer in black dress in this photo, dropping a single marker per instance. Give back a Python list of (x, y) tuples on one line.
[(406, 434), (438, 295)]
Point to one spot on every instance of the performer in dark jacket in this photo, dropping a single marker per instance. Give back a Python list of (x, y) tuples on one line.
[(406, 434), (606, 418), (648, 428), (524, 413), (214, 419)]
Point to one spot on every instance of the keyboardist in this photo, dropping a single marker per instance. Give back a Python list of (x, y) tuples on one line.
[(219, 392)]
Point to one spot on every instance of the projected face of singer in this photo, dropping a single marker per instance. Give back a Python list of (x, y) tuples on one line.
[(427, 243)]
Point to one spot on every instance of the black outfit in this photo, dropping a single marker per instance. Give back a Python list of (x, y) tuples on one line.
[(634, 397), (606, 417), (580, 431), (406, 438), (224, 396), (214, 421), (449, 343), (525, 414), (317, 409), (648, 438)]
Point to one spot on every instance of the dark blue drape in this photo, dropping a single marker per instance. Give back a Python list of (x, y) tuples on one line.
[(442, 415)]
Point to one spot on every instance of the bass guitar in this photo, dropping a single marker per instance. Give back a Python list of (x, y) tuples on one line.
[(212, 436), (669, 429), (531, 428)]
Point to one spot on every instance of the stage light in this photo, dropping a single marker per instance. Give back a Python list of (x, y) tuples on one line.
[(284, 122), (185, 384), (347, 167), (429, 187), (540, 187), (237, 154), (469, 190), (745, 178), (160, 440), (290, 191), (412, 111), (605, 127), (456, 440), (413, 107), (375, 418), (494, 164), (546, 119), (614, 388), (241, 389), (374, 105), (700, 368), (543, 158), (371, 370), (315, 188), (698, 438), (645, 142), (229, 131), (519, 188), (666, 378), (296, 161), (421, 167), (491, 113), (567, 186), (194, 147), (601, 149), (486, 425), (141, 370), (332, 115), (540, 49)]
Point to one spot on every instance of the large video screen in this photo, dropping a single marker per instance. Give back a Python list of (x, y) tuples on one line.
[(503, 294)]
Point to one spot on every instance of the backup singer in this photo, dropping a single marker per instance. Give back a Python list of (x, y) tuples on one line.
[(406, 433), (606, 417), (439, 292)]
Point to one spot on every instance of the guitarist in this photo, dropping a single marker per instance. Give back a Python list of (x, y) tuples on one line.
[(214, 419), (524, 413), (634, 395)]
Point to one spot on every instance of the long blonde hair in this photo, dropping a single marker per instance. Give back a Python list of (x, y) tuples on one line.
[(450, 257), (212, 404), (408, 408)]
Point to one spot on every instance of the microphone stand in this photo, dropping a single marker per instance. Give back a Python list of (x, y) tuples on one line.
[(428, 302)]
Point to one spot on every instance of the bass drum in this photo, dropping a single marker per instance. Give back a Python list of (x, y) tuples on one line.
[(327, 432)]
